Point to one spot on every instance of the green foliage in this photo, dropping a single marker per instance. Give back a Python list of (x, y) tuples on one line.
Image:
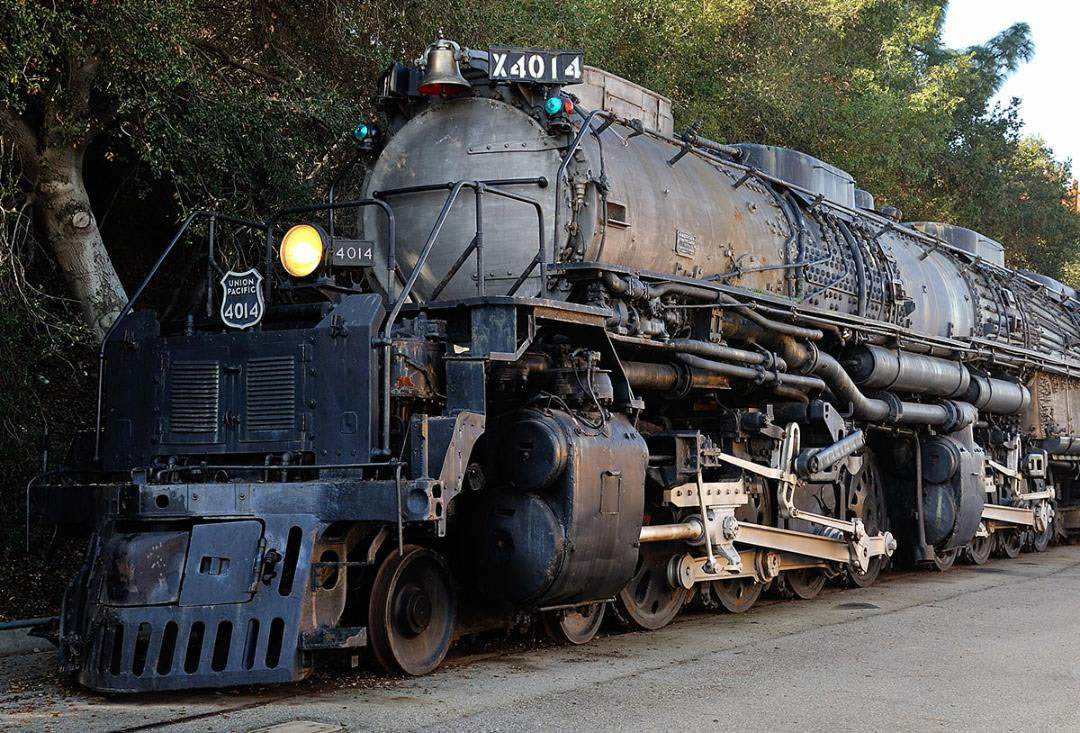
[(134, 47), (236, 103)]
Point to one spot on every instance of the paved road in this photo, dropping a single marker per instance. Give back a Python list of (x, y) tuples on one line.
[(990, 648)]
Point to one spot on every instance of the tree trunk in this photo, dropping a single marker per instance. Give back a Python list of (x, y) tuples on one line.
[(64, 208)]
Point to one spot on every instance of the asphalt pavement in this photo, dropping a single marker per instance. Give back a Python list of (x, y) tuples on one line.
[(992, 648)]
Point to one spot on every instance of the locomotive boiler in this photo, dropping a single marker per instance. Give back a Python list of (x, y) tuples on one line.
[(554, 361)]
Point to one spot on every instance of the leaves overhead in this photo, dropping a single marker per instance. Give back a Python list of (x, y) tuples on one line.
[(244, 104)]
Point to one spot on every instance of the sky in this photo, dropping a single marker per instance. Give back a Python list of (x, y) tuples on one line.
[(1048, 84)]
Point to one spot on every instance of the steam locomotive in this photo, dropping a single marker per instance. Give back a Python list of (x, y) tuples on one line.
[(554, 362)]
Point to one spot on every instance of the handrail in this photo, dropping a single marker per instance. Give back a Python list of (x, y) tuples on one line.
[(480, 187), (126, 310), (397, 303), (330, 207), (586, 125), (331, 194)]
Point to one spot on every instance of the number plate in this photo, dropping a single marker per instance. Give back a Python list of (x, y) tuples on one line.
[(535, 65), (352, 253)]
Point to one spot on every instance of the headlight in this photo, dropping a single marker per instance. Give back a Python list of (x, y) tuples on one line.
[(302, 249)]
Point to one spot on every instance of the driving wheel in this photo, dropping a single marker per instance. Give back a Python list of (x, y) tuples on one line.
[(574, 625), (978, 550), (804, 584), (734, 596), (1009, 543), (411, 611), (740, 594), (944, 560), (866, 501), (650, 601), (1040, 541)]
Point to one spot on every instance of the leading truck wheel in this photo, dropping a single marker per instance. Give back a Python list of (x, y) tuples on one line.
[(411, 612), (575, 625)]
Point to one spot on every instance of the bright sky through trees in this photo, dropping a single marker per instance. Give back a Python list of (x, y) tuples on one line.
[(1048, 83)]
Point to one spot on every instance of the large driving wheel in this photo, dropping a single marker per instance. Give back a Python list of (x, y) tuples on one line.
[(978, 550), (650, 601), (866, 501), (574, 625), (411, 612), (739, 595), (945, 559), (734, 596), (1009, 543), (804, 584)]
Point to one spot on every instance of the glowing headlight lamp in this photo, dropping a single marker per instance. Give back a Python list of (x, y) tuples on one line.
[(302, 249)]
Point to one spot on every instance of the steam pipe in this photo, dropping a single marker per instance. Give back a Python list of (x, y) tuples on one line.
[(948, 414), (1063, 445), (728, 353), (586, 125), (997, 395), (666, 377), (730, 151), (902, 371), (756, 374), (637, 289)]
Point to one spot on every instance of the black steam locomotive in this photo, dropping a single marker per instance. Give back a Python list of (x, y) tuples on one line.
[(553, 361)]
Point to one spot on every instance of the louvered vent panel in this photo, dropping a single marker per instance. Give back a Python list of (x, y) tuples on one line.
[(194, 387), (271, 393)]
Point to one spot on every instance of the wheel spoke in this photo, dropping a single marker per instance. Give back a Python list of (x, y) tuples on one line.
[(978, 550), (804, 584), (735, 596), (649, 601)]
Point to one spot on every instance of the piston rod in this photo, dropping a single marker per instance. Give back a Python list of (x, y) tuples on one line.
[(690, 530)]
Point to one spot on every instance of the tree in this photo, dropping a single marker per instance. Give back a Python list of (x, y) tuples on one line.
[(220, 99), (74, 69)]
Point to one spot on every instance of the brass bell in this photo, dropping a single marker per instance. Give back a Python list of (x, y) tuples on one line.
[(441, 73)]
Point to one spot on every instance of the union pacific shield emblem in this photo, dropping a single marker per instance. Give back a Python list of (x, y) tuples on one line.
[(242, 300)]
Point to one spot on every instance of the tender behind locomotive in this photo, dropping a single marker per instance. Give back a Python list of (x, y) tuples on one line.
[(554, 360)]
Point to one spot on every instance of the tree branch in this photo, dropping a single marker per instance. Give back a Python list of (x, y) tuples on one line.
[(228, 59)]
